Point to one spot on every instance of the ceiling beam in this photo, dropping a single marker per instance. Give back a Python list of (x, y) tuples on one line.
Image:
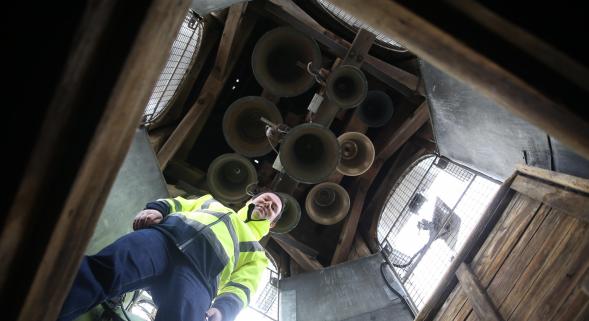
[(287, 12), (96, 107), (448, 53), (238, 27)]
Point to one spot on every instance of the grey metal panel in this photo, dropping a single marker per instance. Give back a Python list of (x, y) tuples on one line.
[(474, 131), (567, 161), (350, 291), (139, 181)]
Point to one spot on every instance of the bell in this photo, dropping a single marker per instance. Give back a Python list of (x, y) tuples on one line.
[(290, 216), (309, 153), (357, 153), (327, 203), (243, 128), (280, 60), (228, 176), (376, 110), (346, 86)]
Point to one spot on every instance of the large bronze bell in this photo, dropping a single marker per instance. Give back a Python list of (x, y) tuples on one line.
[(357, 153), (346, 86), (327, 203), (228, 176), (244, 131), (280, 60), (376, 110), (309, 153)]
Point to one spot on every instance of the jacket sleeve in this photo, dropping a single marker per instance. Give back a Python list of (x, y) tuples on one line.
[(177, 204), (243, 283)]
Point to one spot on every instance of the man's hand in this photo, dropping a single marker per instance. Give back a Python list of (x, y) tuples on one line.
[(213, 314), (146, 218)]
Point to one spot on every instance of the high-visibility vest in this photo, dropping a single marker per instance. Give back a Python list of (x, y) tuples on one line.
[(234, 241)]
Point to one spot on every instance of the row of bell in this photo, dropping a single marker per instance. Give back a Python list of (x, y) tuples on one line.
[(229, 175), (285, 62), (246, 134)]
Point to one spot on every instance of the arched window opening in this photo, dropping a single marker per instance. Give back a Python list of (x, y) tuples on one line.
[(354, 24), (182, 55), (427, 217)]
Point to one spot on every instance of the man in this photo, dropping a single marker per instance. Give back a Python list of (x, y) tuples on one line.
[(188, 253)]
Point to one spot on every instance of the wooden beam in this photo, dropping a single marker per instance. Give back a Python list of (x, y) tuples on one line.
[(520, 38), (307, 263), (193, 122), (289, 13), (226, 49), (359, 50), (571, 203), (568, 181), (453, 57), (363, 182), (585, 283), (359, 248), (109, 110), (289, 239), (477, 296)]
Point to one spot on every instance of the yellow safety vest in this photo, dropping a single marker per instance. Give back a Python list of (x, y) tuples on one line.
[(234, 241)]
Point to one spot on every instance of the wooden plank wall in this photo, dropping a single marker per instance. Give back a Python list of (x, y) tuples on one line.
[(533, 264)]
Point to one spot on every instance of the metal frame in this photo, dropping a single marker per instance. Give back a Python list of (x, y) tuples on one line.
[(403, 273), (176, 68), (353, 24)]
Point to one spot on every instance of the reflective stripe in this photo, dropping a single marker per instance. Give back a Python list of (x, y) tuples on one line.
[(253, 246), (208, 203), (177, 205), (208, 234), (243, 288), (227, 220)]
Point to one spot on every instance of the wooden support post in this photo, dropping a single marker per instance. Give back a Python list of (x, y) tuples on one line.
[(477, 296), (363, 182), (89, 126), (585, 284), (453, 57), (290, 240), (307, 263), (568, 181), (532, 45), (571, 203), (231, 45)]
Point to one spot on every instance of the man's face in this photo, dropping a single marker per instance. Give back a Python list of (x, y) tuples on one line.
[(267, 206)]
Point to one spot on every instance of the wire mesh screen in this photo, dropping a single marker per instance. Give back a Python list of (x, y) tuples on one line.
[(182, 54), (355, 24), (264, 303), (427, 218)]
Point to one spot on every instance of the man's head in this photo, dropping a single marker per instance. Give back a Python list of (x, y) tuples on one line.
[(269, 206)]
